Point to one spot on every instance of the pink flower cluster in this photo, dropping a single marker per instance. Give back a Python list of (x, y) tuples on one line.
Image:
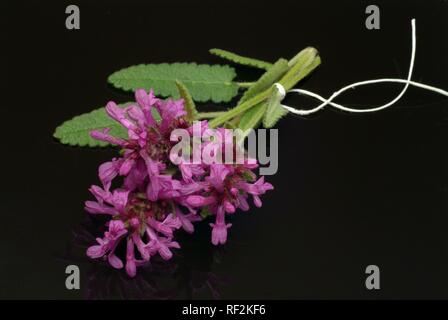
[(155, 197)]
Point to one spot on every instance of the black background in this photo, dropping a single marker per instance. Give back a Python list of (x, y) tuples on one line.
[(351, 190)]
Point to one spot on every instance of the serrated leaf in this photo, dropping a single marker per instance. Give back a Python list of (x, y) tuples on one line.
[(236, 58), (278, 69), (76, 132), (189, 105), (274, 110), (204, 82), (252, 117)]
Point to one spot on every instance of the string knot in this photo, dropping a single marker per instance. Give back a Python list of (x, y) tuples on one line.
[(281, 90)]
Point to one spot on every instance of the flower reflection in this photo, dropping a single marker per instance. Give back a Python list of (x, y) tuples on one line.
[(188, 275)]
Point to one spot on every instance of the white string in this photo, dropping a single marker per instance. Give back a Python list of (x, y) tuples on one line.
[(325, 102)]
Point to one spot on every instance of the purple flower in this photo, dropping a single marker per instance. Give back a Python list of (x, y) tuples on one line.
[(131, 263), (108, 243), (187, 220), (135, 218), (166, 226), (219, 232), (148, 140), (148, 196), (161, 245), (107, 202), (228, 189)]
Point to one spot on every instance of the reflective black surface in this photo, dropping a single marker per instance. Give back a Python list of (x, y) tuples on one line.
[(351, 190)]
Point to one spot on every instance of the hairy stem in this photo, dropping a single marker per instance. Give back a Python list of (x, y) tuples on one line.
[(209, 115), (246, 105), (244, 84)]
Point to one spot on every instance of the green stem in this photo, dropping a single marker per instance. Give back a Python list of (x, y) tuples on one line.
[(209, 115), (244, 84), (246, 105)]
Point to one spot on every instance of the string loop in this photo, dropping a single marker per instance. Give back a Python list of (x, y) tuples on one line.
[(330, 102)]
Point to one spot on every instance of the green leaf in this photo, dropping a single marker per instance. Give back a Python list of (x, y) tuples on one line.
[(189, 105), (204, 82), (240, 59), (76, 132), (205, 212), (274, 110), (252, 117), (271, 76)]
